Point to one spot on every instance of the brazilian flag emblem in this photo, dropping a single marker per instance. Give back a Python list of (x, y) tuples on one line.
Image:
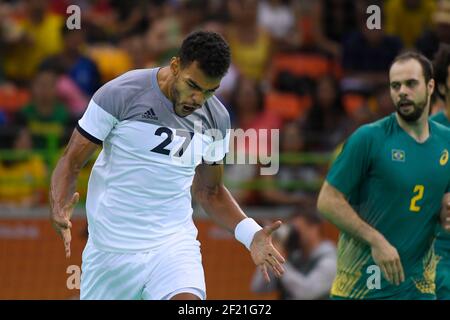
[(444, 158), (398, 155)]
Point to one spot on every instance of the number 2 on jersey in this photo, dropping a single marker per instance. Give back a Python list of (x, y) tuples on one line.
[(418, 191), (169, 138)]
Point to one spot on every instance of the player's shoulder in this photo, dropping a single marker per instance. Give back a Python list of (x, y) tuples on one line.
[(115, 95), (377, 129), (439, 117), (217, 114), (128, 84), (441, 131)]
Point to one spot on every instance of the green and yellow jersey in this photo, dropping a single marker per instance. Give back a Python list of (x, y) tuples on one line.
[(442, 244), (396, 185)]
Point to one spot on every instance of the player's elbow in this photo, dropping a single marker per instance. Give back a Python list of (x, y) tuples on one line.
[(323, 199), (328, 200)]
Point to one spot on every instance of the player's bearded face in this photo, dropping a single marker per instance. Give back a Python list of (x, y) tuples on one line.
[(409, 91), (411, 110), (190, 90)]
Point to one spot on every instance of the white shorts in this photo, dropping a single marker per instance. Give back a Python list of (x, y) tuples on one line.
[(155, 275)]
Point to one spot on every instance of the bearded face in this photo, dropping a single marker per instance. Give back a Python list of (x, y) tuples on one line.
[(409, 92), (411, 110)]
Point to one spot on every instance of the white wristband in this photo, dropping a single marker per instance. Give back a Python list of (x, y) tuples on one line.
[(245, 231)]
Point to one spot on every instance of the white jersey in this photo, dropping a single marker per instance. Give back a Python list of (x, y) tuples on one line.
[(139, 189)]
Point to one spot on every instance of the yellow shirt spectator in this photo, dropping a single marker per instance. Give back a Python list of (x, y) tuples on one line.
[(111, 61), (43, 40), (250, 59), (408, 23), (23, 183)]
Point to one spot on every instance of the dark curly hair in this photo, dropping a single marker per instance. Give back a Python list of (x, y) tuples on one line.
[(441, 63), (209, 49)]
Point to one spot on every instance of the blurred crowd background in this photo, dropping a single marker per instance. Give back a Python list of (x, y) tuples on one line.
[(309, 68)]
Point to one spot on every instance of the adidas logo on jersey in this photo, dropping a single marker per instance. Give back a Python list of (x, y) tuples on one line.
[(150, 114)]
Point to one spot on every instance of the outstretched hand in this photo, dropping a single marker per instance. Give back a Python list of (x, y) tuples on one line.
[(264, 253), (61, 222)]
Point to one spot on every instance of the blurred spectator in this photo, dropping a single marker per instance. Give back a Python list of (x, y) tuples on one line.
[(71, 95), (310, 29), (10, 31), (247, 108), (12, 98), (283, 188), (326, 123), (110, 20), (60, 6), (81, 69), (23, 178), (339, 17), (162, 40), (248, 114), (367, 55), (130, 16), (384, 105), (45, 116), (276, 17), (408, 18), (99, 17), (311, 261), (239, 179), (250, 44), (428, 43), (39, 37), (190, 14), (135, 47), (217, 11), (111, 61)]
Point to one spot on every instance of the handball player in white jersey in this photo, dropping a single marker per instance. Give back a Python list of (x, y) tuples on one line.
[(163, 133)]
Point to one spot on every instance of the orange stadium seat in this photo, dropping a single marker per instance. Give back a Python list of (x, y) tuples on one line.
[(353, 102), (286, 105), (12, 98), (309, 65)]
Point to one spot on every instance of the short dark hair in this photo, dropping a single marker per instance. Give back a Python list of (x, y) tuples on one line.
[(427, 67), (441, 63), (209, 49)]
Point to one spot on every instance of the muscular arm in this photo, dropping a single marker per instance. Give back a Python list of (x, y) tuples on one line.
[(208, 190), (213, 196), (62, 187), (337, 210), (333, 206)]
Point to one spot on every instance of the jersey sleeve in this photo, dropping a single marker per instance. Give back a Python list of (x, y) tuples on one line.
[(217, 149), (352, 164), (219, 135), (102, 114)]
